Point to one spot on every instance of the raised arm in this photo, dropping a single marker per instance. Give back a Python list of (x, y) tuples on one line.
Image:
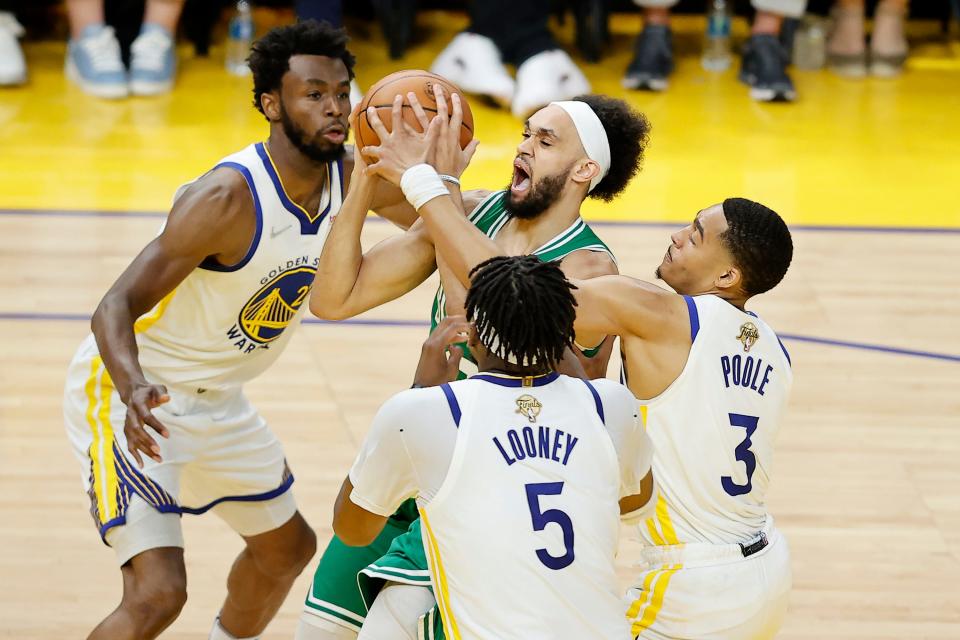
[(627, 307), (213, 218), (350, 282)]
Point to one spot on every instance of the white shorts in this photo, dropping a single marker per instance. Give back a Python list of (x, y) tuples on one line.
[(220, 456), (711, 592)]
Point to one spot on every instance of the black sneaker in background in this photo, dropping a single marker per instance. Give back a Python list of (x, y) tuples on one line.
[(652, 59), (764, 68)]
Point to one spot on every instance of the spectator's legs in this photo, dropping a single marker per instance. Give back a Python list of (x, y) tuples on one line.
[(519, 29), (83, 14), (13, 66), (320, 10), (653, 49), (846, 49), (93, 53), (764, 65), (888, 44), (153, 57)]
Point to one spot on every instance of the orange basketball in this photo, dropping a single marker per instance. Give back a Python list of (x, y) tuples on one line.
[(401, 83)]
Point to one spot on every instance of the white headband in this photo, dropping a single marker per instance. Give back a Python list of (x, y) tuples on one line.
[(592, 135)]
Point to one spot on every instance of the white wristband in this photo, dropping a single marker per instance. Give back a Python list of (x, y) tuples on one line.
[(421, 184)]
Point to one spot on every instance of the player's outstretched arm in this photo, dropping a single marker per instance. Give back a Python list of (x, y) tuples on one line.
[(214, 217), (627, 307), (349, 282)]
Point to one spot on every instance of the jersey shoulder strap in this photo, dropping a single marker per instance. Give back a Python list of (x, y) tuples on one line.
[(491, 213), (578, 236)]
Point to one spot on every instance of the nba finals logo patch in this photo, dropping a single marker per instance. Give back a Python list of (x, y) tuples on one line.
[(529, 407), (748, 335), (269, 311)]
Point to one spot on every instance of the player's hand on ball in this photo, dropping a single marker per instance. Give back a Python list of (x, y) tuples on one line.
[(440, 355), (400, 148), (448, 157), (143, 398)]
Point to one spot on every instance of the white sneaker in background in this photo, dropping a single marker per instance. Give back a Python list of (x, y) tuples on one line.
[(13, 67), (473, 63), (153, 61), (93, 62), (544, 78)]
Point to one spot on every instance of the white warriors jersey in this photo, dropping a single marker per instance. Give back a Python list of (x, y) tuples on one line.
[(522, 534), (224, 325), (713, 429)]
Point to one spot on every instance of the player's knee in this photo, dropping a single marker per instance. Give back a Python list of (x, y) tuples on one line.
[(156, 604), (291, 555)]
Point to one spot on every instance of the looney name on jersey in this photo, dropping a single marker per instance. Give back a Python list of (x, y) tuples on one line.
[(744, 371), (268, 312), (546, 443)]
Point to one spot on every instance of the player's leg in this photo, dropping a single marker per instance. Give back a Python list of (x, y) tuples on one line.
[(265, 570), (396, 612), (154, 592), (242, 476), (339, 593)]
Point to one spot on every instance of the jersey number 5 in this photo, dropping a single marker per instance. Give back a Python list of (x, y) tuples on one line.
[(542, 518), (743, 454)]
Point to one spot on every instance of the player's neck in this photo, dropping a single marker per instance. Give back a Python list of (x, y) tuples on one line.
[(301, 176), (495, 365), (526, 236)]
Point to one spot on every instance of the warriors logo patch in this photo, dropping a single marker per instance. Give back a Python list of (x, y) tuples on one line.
[(271, 309), (529, 407), (748, 335)]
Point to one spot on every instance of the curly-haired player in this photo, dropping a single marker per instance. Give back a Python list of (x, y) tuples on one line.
[(208, 305)]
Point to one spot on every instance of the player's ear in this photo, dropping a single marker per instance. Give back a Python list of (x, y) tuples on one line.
[(585, 171), (730, 278), (270, 103), (473, 340)]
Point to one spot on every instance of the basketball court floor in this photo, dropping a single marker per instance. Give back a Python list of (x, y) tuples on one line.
[(867, 479)]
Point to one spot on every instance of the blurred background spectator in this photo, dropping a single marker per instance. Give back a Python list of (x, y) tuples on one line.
[(846, 46)]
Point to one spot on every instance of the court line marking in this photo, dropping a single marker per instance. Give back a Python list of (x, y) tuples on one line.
[(393, 322), (652, 224)]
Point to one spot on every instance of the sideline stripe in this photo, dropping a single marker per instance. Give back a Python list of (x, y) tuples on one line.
[(653, 224), (388, 322)]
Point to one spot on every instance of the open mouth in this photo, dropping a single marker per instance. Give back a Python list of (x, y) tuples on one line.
[(335, 134), (521, 178)]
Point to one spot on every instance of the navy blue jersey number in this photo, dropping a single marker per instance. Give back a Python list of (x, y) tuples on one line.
[(743, 454), (541, 519)]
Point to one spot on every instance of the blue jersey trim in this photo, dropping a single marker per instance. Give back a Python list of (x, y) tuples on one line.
[(210, 263), (257, 497), (694, 318), (596, 399), (309, 225), (452, 401), (533, 381)]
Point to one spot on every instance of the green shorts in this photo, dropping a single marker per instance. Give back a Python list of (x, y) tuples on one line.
[(336, 593)]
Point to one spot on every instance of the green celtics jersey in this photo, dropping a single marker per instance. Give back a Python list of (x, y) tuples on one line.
[(490, 216)]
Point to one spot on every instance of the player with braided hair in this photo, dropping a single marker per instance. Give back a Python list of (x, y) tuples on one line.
[(494, 459)]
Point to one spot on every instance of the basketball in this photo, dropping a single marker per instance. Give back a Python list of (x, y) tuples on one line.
[(381, 95)]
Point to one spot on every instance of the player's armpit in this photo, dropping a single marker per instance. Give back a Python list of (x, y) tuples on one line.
[(353, 524), (583, 265), (640, 506)]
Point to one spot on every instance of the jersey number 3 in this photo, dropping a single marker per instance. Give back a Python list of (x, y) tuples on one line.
[(743, 454), (542, 518)]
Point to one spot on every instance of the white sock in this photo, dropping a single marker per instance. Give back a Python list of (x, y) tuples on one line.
[(313, 627), (219, 633)]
